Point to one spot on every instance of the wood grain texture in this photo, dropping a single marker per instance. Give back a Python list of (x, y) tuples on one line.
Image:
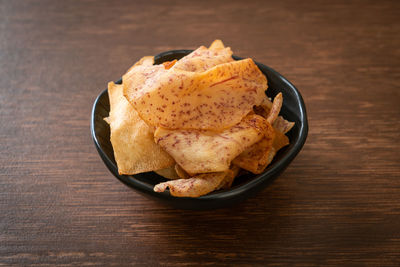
[(338, 204)]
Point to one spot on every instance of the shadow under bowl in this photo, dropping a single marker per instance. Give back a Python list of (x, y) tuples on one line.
[(293, 109)]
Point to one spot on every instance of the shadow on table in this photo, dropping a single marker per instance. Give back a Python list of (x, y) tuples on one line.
[(263, 219)]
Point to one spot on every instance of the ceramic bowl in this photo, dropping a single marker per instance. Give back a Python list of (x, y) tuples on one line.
[(293, 109)]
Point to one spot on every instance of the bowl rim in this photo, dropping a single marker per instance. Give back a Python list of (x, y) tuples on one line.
[(283, 162)]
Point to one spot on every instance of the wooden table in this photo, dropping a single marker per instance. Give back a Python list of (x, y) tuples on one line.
[(338, 204)]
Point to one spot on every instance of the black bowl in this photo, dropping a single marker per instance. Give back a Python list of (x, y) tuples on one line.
[(293, 109)]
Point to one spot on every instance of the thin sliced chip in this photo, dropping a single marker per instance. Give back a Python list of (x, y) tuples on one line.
[(212, 100), (169, 64), (203, 59), (217, 45), (196, 186), (280, 140), (229, 177), (144, 61), (283, 125), (257, 157), (275, 109), (168, 173), (266, 103), (205, 151), (181, 172), (264, 108), (131, 138)]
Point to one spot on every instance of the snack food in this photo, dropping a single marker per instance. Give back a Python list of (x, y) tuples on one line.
[(131, 138), (197, 121)]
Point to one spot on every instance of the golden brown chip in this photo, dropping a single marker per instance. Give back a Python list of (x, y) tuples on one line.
[(217, 45), (270, 111), (264, 108), (131, 138), (257, 157), (169, 64), (144, 61), (266, 103), (203, 59), (282, 125), (181, 172), (229, 177), (280, 140), (205, 151), (212, 100), (275, 108), (196, 186), (168, 173)]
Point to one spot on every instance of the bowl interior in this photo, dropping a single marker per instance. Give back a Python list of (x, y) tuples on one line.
[(293, 109)]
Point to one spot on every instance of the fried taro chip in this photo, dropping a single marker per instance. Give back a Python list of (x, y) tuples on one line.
[(131, 138), (255, 157), (205, 151), (282, 125), (264, 108), (212, 100), (203, 59), (181, 172), (195, 186), (266, 103), (218, 45), (144, 61), (169, 64), (275, 108), (229, 177), (280, 140), (168, 173)]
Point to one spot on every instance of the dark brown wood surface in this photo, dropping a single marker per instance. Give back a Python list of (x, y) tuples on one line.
[(338, 204)]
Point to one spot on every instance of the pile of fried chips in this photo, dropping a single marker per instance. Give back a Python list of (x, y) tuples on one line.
[(198, 121)]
